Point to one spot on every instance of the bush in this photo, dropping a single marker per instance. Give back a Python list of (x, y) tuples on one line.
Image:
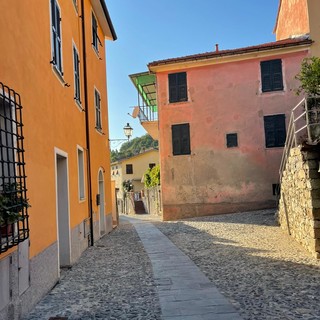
[(152, 177), (309, 77)]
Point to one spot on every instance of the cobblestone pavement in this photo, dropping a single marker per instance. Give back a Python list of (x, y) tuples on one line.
[(112, 280), (260, 269), (263, 272)]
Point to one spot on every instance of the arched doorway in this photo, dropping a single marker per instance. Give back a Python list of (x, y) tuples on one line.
[(101, 205)]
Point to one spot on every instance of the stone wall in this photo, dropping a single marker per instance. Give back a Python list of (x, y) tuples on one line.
[(299, 207), (152, 200)]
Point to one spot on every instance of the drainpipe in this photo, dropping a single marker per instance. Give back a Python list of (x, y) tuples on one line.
[(86, 110)]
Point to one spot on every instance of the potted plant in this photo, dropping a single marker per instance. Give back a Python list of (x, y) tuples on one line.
[(11, 207)]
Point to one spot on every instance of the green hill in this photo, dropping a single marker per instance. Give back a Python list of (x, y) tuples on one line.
[(133, 147)]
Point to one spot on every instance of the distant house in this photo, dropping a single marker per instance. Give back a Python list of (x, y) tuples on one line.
[(221, 120), (53, 142), (132, 170)]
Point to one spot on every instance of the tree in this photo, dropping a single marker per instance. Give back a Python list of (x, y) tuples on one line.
[(133, 147), (309, 77)]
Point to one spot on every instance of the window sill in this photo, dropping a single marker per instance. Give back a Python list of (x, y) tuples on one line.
[(272, 91), (273, 148), (59, 75), (96, 51), (99, 130), (78, 104)]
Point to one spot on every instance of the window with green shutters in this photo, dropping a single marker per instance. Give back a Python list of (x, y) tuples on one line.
[(178, 87), (271, 75), (181, 139), (275, 130)]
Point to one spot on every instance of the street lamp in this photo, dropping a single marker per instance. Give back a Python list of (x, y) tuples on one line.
[(127, 129)]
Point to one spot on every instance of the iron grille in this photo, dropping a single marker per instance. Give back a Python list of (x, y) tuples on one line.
[(14, 226)]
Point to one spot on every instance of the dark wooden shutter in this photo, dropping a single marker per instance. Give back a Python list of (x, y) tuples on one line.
[(275, 130), (178, 87), (173, 92), (181, 139), (269, 128), (232, 140), (185, 139), (266, 76), (280, 130), (182, 86), (176, 144), (276, 70), (271, 75)]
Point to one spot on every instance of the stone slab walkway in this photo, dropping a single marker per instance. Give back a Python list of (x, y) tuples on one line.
[(184, 291)]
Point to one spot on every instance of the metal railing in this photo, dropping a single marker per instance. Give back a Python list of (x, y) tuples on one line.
[(14, 226), (304, 127), (147, 113)]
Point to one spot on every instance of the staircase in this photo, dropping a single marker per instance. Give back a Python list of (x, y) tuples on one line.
[(139, 207)]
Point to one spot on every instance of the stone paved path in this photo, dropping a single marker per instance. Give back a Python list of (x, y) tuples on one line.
[(184, 291), (137, 273), (264, 272), (112, 280)]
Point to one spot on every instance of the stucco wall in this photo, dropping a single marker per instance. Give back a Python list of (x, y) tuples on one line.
[(293, 19), (52, 119), (297, 17), (299, 207), (223, 98)]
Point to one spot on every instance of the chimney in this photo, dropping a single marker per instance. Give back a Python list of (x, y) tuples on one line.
[(217, 47)]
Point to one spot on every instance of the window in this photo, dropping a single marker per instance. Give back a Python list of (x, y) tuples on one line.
[(151, 165), (76, 71), (56, 36), (97, 102), (129, 169), (275, 130), (181, 139), (95, 39), (232, 140), (75, 3), (81, 173), (13, 190), (271, 75), (178, 87)]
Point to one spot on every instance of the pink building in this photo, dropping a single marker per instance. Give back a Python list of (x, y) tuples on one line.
[(221, 124)]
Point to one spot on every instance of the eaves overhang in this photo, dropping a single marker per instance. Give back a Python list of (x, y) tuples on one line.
[(102, 14), (145, 83), (225, 56)]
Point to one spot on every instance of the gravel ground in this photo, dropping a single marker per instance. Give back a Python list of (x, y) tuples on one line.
[(263, 272), (112, 280)]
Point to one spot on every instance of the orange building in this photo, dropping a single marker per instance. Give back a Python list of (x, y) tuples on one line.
[(53, 75), (299, 17)]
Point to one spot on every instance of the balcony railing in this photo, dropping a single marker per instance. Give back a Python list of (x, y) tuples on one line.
[(304, 127)]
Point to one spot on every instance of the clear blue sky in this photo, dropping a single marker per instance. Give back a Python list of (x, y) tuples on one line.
[(159, 29)]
